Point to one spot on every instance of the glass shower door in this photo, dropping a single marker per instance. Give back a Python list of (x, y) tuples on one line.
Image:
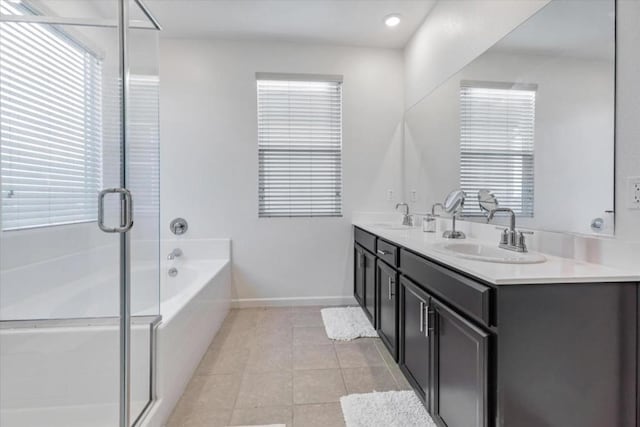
[(142, 179), (65, 136)]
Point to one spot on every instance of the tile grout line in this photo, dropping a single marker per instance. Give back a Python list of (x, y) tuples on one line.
[(386, 364), (344, 383), (242, 375)]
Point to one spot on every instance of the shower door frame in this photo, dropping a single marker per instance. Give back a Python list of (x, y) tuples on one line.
[(123, 24), (125, 237)]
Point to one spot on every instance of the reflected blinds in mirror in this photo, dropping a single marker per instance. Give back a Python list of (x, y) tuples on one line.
[(497, 124), (50, 125), (300, 147)]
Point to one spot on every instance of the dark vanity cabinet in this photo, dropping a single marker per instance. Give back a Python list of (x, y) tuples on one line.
[(444, 357), (358, 282), (414, 342), (365, 273), (483, 355), (387, 307), (365, 281), (460, 359), (369, 267)]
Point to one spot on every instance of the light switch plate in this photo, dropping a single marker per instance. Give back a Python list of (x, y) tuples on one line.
[(389, 194), (414, 196), (633, 192)]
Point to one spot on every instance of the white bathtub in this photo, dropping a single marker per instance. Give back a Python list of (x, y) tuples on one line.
[(194, 305), (67, 375)]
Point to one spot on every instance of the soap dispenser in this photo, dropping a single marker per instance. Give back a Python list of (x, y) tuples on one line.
[(430, 221)]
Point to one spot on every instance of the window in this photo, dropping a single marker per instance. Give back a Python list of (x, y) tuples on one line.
[(299, 146), (50, 125), (496, 144), (144, 145)]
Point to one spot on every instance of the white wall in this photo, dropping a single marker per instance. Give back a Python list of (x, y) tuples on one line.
[(210, 160), (455, 33)]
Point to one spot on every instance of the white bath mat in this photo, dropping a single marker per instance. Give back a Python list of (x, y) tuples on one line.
[(346, 323), (385, 409)]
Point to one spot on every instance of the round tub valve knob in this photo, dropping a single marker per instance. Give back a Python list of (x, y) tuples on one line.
[(179, 226)]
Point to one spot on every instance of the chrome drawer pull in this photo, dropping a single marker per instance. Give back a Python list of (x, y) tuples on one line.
[(427, 326), (383, 252)]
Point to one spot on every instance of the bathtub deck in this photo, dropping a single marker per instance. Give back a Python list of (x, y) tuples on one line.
[(277, 366)]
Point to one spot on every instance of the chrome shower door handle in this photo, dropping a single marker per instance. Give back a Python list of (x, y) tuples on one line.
[(126, 210)]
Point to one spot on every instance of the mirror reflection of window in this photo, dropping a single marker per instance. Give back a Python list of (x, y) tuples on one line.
[(497, 122)]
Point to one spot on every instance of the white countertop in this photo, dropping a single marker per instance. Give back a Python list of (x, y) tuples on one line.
[(554, 270)]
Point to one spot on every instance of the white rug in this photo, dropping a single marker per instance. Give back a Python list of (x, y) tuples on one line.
[(386, 409), (346, 323)]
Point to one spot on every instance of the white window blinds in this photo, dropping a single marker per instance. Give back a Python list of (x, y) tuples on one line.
[(497, 144), (50, 125), (144, 144), (299, 146)]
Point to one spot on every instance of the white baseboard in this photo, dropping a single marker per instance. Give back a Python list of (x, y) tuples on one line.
[(290, 302)]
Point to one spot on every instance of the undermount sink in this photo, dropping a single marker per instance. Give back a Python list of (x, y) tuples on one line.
[(487, 253)]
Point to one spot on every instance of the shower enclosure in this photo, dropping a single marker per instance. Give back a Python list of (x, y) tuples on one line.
[(79, 212)]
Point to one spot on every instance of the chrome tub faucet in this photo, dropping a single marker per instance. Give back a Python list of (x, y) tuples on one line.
[(177, 252)]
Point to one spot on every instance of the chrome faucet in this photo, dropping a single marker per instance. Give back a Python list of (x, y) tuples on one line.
[(406, 218), (510, 239), (177, 252)]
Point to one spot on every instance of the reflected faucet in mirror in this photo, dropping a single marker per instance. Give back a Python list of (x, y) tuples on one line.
[(429, 220), (453, 205), (406, 218), (433, 208)]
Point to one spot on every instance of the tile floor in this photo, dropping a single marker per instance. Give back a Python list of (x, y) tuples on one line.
[(277, 366)]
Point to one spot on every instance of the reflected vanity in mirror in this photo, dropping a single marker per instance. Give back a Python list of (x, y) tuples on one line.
[(531, 120)]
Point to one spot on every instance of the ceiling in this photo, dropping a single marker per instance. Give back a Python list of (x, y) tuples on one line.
[(337, 22)]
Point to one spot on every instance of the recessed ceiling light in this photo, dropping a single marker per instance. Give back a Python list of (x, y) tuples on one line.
[(392, 20)]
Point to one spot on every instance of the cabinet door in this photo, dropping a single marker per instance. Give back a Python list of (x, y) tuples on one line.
[(460, 352), (414, 343), (370, 286), (358, 276), (387, 306)]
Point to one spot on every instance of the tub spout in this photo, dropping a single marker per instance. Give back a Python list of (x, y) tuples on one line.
[(177, 252)]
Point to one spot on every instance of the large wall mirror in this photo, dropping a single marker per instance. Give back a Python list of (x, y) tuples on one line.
[(531, 119)]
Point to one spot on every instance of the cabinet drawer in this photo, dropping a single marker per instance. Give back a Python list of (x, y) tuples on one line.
[(366, 240), (466, 295), (387, 252)]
